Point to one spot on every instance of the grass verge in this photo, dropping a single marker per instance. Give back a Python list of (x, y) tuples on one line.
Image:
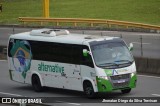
[(143, 11)]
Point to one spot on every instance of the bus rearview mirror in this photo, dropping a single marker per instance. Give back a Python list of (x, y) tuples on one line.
[(85, 52), (130, 46)]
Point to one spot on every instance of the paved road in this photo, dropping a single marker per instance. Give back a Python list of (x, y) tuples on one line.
[(146, 87), (150, 41)]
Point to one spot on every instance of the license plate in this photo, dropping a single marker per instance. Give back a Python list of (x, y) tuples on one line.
[(121, 81)]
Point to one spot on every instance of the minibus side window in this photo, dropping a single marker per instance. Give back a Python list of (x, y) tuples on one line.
[(10, 47), (76, 53)]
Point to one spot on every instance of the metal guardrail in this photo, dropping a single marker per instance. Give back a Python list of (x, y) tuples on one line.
[(92, 22)]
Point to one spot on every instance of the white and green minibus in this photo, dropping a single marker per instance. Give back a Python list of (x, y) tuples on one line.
[(59, 59)]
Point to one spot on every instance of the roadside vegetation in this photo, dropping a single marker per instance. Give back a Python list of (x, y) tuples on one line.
[(142, 11)]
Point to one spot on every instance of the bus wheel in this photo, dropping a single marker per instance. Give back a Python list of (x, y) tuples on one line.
[(126, 91), (36, 84), (88, 90)]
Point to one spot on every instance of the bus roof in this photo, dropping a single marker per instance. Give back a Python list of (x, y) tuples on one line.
[(60, 37)]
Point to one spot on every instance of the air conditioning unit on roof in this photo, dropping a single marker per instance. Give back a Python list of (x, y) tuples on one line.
[(49, 32)]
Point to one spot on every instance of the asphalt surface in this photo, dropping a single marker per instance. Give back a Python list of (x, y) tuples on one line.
[(148, 48), (147, 86)]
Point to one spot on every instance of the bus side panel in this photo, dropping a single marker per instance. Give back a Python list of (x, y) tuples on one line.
[(14, 74), (19, 59), (73, 77), (89, 74), (58, 75)]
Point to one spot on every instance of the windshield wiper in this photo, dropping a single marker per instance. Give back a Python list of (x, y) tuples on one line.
[(108, 64), (127, 61)]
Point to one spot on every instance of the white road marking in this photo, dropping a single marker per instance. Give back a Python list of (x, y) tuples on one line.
[(149, 76), (77, 104), (156, 95), (11, 94), (140, 43)]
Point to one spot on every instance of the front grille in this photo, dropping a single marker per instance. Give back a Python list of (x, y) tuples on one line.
[(119, 77), (120, 81)]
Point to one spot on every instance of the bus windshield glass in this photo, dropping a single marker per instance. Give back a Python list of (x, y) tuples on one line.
[(111, 53)]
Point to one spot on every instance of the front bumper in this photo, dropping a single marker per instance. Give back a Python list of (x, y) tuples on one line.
[(111, 84)]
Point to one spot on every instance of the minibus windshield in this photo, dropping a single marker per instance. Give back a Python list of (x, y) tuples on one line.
[(111, 54)]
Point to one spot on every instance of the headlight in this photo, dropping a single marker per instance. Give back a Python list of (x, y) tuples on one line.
[(104, 77), (132, 74)]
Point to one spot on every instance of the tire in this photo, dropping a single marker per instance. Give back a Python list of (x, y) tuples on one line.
[(36, 84), (88, 90), (125, 91)]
